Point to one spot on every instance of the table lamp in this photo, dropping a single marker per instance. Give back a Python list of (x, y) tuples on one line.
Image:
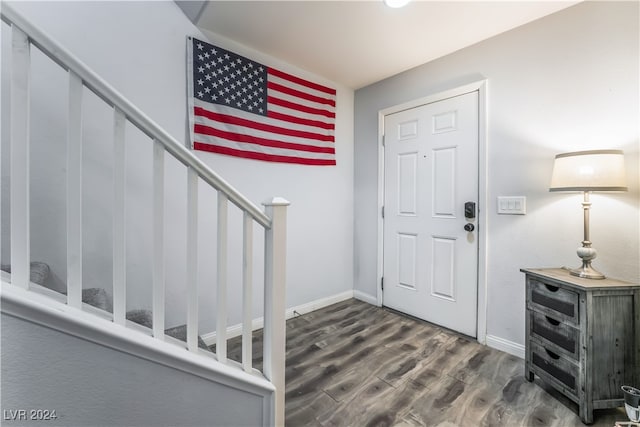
[(587, 171)]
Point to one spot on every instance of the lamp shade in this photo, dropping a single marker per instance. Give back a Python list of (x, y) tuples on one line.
[(396, 3), (596, 170)]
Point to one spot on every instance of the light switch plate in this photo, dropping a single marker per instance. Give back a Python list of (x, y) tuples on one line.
[(512, 205)]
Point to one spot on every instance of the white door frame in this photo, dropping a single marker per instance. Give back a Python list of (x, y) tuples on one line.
[(481, 87)]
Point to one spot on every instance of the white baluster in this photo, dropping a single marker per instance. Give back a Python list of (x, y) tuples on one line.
[(74, 192), (221, 319), (192, 260), (158, 240), (119, 217), (20, 94), (275, 301), (247, 291)]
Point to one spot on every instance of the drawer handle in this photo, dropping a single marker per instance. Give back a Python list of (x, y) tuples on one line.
[(552, 354), (551, 288), (552, 321)]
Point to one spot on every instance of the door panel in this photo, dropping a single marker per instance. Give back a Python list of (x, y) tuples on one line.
[(443, 185), (431, 170), (407, 183), (407, 248), (443, 284)]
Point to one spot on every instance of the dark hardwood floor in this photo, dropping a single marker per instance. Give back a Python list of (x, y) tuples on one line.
[(353, 364)]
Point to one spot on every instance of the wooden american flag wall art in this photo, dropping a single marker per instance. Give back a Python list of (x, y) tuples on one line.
[(242, 108)]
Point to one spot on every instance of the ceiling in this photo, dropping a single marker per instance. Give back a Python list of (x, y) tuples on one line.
[(356, 43)]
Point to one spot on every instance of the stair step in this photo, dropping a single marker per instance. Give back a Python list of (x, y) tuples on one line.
[(145, 318), (100, 298)]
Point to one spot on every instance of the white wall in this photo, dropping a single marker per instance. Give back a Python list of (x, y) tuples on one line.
[(88, 384), (140, 49), (566, 82)]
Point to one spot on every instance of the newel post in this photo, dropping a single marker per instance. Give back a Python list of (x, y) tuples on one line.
[(275, 302)]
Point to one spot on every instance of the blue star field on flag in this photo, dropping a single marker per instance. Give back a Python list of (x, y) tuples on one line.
[(223, 77)]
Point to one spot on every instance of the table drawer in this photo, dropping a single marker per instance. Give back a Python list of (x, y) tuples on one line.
[(563, 337), (555, 369), (562, 303)]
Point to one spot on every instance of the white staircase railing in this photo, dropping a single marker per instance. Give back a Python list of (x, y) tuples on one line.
[(25, 35)]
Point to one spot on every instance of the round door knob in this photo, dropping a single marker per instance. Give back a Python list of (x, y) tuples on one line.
[(469, 227)]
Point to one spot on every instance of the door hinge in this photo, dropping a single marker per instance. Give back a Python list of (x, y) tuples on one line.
[(382, 212), (382, 283), (383, 139)]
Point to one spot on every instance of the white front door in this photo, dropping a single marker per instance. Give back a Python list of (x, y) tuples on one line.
[(431, 172)]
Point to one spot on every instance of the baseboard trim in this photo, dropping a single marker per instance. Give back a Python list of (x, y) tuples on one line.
[(258, 323), (369, 299), (507, 346)]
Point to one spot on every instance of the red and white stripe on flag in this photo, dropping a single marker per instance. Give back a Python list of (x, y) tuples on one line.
[(242, 108)]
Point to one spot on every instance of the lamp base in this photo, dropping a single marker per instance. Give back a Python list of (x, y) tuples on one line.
[(587, 254), (587, 272)]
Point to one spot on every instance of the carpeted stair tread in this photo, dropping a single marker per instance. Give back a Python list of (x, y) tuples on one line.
[(145, 318), (141, 317), (39, 273), (100, 298), (180, 333)]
